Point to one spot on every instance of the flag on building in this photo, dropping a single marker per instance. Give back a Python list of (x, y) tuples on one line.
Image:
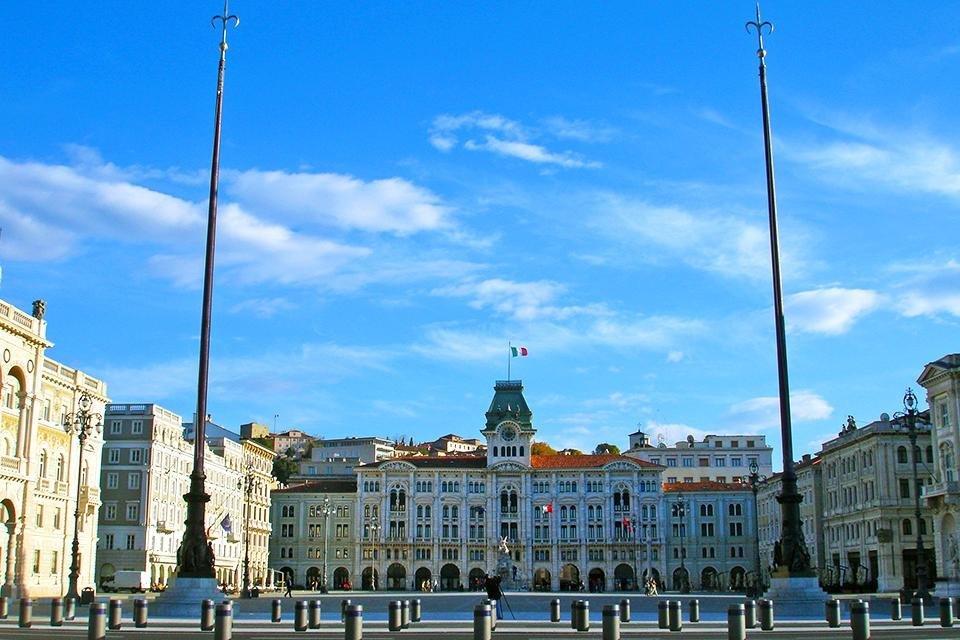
[(518, 351), (226, 525), (547, 508), (626, 524)]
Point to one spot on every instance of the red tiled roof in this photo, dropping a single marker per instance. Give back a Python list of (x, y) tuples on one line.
[(705, 486), (579, 462)]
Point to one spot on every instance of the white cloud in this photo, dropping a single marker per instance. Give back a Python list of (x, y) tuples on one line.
[(388, 205), (763, 413), (671, 432), (529, 152), (708, 240), (675, 356), (263, 307), (581, 130), (930, 289), (520, 300), (506, 137), (830, 311)]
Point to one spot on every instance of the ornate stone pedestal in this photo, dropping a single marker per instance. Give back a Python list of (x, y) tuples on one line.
[(795, 594), (183, 596)]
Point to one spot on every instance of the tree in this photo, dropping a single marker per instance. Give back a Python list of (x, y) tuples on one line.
[(606, 447), (542, 449), (283, 468)]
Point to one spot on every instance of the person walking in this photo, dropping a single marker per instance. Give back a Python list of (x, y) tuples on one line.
[(289, 588), (492, 585)]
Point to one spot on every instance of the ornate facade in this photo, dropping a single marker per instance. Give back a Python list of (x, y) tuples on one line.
[(43, 472)]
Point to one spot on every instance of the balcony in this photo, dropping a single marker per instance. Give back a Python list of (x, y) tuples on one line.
[(90, 494), (10, 464), (948, 491), (164, 526)]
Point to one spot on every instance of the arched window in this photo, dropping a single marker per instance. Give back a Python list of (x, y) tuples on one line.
[(60, 468), (929, 454), (43, 463), (901, 454), (907, 527)]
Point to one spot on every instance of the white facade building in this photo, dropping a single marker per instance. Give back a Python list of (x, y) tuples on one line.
[(716, 458)]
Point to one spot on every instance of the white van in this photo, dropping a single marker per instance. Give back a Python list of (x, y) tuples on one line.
[(132, 581)]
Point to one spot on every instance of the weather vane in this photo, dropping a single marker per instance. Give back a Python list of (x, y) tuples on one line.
[(759, 25)]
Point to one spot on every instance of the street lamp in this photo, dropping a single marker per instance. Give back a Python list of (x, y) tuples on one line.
[(680, 512), (634, 552), (909, 417), (83, 423), (247, 484), (755, 480), (324, 510), (373, 529)]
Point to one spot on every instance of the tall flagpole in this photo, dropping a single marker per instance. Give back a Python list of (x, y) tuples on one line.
[(196, 557), (509, 358), (795, 560)]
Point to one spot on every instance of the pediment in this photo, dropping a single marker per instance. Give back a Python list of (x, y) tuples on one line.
[(397, 465), (621, 465), (509, 466)]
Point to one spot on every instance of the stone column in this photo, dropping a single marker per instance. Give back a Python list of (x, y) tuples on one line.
[(21, 425), (7, 589), (20, 585)]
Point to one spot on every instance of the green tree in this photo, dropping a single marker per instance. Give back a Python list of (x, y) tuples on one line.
[(606, 447), (283, 468)]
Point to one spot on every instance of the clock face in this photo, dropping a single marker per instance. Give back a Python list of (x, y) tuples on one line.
[(508, 432)]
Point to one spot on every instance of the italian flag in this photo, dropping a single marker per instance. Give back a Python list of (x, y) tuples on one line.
[(518, 351), (547, 508)]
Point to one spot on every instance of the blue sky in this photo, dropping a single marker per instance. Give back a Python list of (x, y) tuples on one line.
[(407, 186)]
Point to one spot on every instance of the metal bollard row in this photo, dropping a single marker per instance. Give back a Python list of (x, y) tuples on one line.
[(663, 621), (415, 610), (394, 619), (582, 610), (555, 610), (115, 614), (300, 615), (750, 614), (405, 614), (896, 609)]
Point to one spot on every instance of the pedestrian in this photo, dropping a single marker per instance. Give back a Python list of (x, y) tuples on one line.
[(492, 585), (289, 588)]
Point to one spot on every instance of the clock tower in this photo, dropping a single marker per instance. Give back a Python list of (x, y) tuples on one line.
[(509, 429)]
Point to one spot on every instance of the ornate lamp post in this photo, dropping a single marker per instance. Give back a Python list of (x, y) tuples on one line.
[(909, 417), (796, 558), (373, 529), (324, 510), (83, 423), (755, 480), (635, 551), (680, 511), (248, 484)]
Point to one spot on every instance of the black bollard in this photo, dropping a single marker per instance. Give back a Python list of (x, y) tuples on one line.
[(97, 626), (140, 613), (415, 610), (69, 608), (394, 619), (611, 622), (946, 612), (736, 627), (300, 616), (206, 615), (675, 615), (750, 614), (56, 612), (405, 614), (860, 620), (555, 610), (663, 621), (896, 609), (313, 608), (624, 610), (276, 610), (831, 612), (583, 615), (766, 614), (26, 613), (481, 622), (573, 614), (353, 622), (694, 612), (223, 626), (115, 614), (916, 611)]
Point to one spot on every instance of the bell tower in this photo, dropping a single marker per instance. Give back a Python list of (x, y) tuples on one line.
[(509, 428)]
